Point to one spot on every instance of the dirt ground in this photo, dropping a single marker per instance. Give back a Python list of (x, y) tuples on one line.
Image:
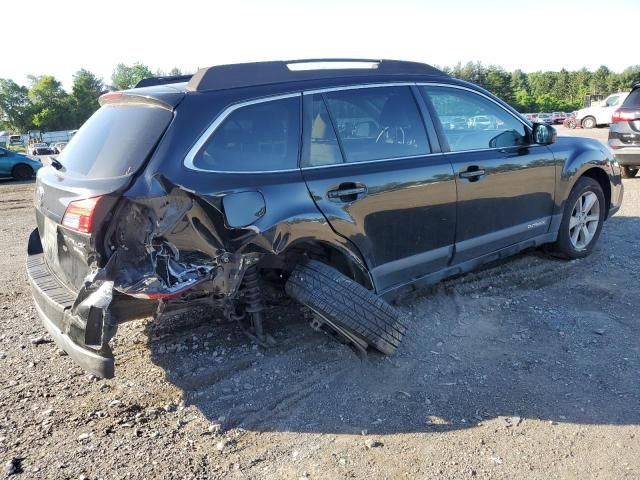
[(529, 368)]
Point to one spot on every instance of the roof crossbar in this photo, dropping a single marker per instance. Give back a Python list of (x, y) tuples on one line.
[(221, 77)]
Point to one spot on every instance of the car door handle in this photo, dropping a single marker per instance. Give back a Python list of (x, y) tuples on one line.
[(473, 175), (347, 192)]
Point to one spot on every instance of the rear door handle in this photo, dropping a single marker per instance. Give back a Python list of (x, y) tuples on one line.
[(472, 175), (347, 192)]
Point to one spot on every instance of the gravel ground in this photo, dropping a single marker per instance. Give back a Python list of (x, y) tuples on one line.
[(528, 368)]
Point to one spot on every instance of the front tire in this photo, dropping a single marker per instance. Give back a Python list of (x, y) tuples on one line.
[(629, 172), (589, 122), (571, 124), (343, 303), (22, 172), (582, 220)]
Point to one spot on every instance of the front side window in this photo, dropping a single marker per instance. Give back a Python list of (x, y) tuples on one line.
[(377, 123), (473, 122), (259, 137)]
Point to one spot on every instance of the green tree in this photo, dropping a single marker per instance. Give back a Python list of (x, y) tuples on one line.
[(125, 76), (498, 82), (16, 110), (58, 116), (519, 81), (53, 108), (86, 90), (600, 82), (629, 76), (45, 90), (524, 102)]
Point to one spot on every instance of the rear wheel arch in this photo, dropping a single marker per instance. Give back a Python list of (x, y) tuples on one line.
[(339, 257)]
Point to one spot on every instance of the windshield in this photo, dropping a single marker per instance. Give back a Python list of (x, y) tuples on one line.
[(115, 141)]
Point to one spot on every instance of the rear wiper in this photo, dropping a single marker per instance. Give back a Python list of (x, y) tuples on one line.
[(55, 163)]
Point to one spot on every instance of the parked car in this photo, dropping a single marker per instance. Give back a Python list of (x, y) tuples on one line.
[(452, 123), (17, 165), (40, 149), (624, 133), (329, 184), (481, 122), (558, 117), (600, 115), (545, 118), (57, 147), (571, 122), (16, 140)]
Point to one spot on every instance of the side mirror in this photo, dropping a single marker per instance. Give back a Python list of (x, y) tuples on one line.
[(604, 103), (544, 134)]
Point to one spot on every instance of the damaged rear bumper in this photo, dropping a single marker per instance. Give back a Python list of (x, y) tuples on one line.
[(53, 303)]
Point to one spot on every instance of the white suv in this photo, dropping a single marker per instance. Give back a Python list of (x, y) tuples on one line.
[(601, 114)]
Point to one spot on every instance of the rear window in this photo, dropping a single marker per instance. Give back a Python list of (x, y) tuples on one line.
[(115, 141), (633, 100)]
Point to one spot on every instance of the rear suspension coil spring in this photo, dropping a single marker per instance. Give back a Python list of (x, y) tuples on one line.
[(253, 299)]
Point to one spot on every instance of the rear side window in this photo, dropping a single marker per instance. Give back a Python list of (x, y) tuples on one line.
[(377, 123), (259, 137), (482, 123), (115, 141), (633, 100)]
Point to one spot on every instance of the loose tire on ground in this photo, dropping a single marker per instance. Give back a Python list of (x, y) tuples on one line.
[(340, 300), (564, 247), (629, 172), (22, 172)]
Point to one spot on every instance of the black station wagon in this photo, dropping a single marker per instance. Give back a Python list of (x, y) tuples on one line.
[(343, 183)]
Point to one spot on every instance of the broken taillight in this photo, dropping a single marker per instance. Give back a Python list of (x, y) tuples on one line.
[(79, 214)]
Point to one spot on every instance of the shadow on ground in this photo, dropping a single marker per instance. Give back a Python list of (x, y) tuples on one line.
[(532, 337)]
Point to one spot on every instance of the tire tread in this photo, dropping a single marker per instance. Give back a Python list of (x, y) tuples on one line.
[(348, 304)]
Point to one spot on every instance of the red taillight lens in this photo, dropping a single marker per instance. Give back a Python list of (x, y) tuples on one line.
[(79, 214), (625, 115)]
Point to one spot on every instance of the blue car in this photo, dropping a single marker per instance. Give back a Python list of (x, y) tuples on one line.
[(17, 165)]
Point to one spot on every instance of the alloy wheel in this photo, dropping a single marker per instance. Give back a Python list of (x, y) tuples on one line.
[(584, 221)]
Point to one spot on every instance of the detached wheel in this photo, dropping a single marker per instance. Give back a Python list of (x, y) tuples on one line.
[(346, 305), (581, 221), (629, 172), (22, 172), (589, 122)]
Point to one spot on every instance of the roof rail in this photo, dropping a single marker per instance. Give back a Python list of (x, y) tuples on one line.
[(263, 73), (151, 81)]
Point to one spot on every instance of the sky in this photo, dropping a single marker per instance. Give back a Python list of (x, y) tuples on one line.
[(188, 34)]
